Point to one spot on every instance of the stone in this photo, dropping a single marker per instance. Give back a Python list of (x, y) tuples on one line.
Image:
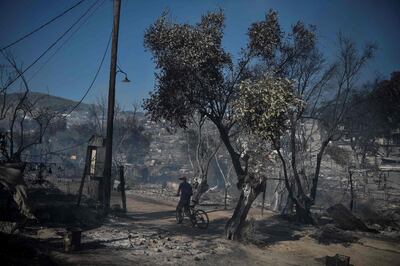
[(346, 220), (7, 227)]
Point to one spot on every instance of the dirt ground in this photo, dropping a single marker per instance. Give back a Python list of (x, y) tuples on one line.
[(149, 235)]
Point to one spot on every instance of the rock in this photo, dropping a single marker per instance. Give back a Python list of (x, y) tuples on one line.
[(346, 220), (337, 260), (116, 207), (7, 227), (197, 258), (49, 233), (330, 234)]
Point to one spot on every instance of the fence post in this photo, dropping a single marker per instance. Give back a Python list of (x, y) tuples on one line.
[(85, 170), (122, 180)]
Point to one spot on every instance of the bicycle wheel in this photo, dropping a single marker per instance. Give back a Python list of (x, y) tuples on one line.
[(179, 215), (201, 219)]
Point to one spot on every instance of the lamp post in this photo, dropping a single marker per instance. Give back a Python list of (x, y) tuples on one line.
[(125, 80)]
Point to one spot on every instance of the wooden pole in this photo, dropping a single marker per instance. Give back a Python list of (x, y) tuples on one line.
[(225, 197), (122, 180), (351, 190), (110, 112), (263, 198), (87, 162)]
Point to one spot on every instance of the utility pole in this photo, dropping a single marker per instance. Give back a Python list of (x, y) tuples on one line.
[(110, 112)]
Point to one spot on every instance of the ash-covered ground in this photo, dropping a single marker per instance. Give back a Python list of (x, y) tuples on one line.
[(149, 235)]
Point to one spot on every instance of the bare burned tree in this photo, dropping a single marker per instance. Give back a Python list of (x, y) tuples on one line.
[(225, 169), (323, 91), (203, 140), (26, 123), (131, 144)]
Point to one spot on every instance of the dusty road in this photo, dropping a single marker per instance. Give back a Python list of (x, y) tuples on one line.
[(149, 235)]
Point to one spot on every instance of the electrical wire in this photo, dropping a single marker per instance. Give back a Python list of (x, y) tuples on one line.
[(57, 152), (94, 78), (68, 148), (50, 47), (67, 40), (42, 26)]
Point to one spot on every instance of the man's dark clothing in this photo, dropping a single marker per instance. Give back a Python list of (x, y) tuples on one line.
[(185, 190)]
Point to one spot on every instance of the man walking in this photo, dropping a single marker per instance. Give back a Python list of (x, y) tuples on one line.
[(185, 192)]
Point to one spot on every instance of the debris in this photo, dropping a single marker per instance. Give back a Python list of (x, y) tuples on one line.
[(8, 227), (337, 260), (11, 178), (346, 220), (330, 234), (130, 240), (72, 239)]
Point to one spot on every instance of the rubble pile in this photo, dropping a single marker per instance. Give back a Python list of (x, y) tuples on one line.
[(161, 245)]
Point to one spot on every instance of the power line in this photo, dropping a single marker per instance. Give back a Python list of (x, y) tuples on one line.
[(66, 40), (58, 151), (94, 78), (50, 47), (68, 148), (42, 26)]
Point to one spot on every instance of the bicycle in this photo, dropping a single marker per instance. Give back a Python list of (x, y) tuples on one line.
[(197, 217)]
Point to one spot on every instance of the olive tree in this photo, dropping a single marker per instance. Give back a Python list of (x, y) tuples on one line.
[(195, 74)]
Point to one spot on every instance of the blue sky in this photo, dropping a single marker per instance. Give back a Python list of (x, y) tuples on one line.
[(70, 71)]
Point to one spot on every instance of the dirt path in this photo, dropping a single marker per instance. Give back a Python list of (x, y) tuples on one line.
[(149, 235)]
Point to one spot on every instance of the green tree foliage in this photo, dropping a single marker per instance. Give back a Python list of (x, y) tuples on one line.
[(191, 63), (196, 75), (263, 106)]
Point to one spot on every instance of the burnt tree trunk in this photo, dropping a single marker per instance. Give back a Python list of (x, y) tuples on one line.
[(200, 187), (303, 210), (263, 197), (225, 198), (288, 208), (301, 202), (351, 191), (235, 224)]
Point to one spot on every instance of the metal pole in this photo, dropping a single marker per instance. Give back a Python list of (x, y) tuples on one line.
[(110, 113)]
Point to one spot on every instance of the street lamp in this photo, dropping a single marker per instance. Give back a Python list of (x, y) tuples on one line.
[(125, 80)]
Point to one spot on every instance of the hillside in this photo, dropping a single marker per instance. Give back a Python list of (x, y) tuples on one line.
[(49, 101)]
